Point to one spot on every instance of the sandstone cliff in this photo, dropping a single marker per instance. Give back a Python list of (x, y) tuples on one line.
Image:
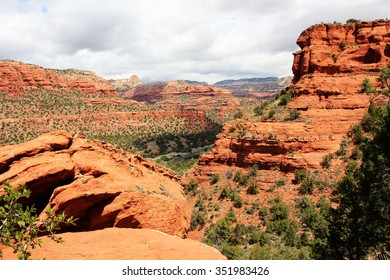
[(300, 130), (328, 75), (17, 77), (335, 58)]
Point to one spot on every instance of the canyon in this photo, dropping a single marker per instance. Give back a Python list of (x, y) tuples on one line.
[(117, 194)]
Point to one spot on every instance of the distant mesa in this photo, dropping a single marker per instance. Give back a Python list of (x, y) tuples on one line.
[(162, 90), (263, 88), (17, 77), (196, 83)]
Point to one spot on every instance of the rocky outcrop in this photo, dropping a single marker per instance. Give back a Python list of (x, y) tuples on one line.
[(335, 58), (121, 244), (85, 82), (95, 183), (328, 75), (17, 77), (124, 85), (174, 89)]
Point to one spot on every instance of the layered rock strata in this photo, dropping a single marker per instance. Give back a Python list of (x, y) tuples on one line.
[(173, 89), (328, 76), (17, 77)]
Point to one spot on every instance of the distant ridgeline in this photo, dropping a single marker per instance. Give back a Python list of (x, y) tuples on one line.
[(255, 87)]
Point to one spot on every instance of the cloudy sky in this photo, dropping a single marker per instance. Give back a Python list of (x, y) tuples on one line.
[(204, 40)]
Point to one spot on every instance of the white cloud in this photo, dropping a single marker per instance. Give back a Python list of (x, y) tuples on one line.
[(206, 40)]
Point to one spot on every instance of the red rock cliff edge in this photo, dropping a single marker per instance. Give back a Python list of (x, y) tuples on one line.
[(328, 75), (17, 77)]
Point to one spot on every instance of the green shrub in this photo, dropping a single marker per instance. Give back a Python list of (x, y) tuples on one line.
[(259, 109), (231, 216), (271, 113), (307, 186), (225, 193), (253, 187), (237, 200), (327, 160), (356, 133), (232, 252), (293, 115), (342, 45), (240, 178), (281, 182), (200, 204), (300, 175), (229, 174), (20, 226), (198, 220), (278, 210), (253, 171), (343, 148), (191, 187), (214, 179), (367, 86), (352, 20), (284, 99)]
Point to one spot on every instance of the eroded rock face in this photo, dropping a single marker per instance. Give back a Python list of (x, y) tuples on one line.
[(335, 58), (122, 244), (17, 77), (328, 75), (163, 90), (97, 184)]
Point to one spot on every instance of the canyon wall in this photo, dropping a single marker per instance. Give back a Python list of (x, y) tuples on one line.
[(326, 91), (17, 77)]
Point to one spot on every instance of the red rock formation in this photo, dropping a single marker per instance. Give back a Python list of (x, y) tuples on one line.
[(328, 75), (173, 89), (121, 244), (92, 181), (124, 85), (85, 82), (17, 77), (335, 58)]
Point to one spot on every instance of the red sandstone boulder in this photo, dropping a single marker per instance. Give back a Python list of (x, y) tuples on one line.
[(97, 184)]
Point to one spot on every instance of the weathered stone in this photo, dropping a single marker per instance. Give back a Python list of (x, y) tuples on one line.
[(121, 244), (97, 184)]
